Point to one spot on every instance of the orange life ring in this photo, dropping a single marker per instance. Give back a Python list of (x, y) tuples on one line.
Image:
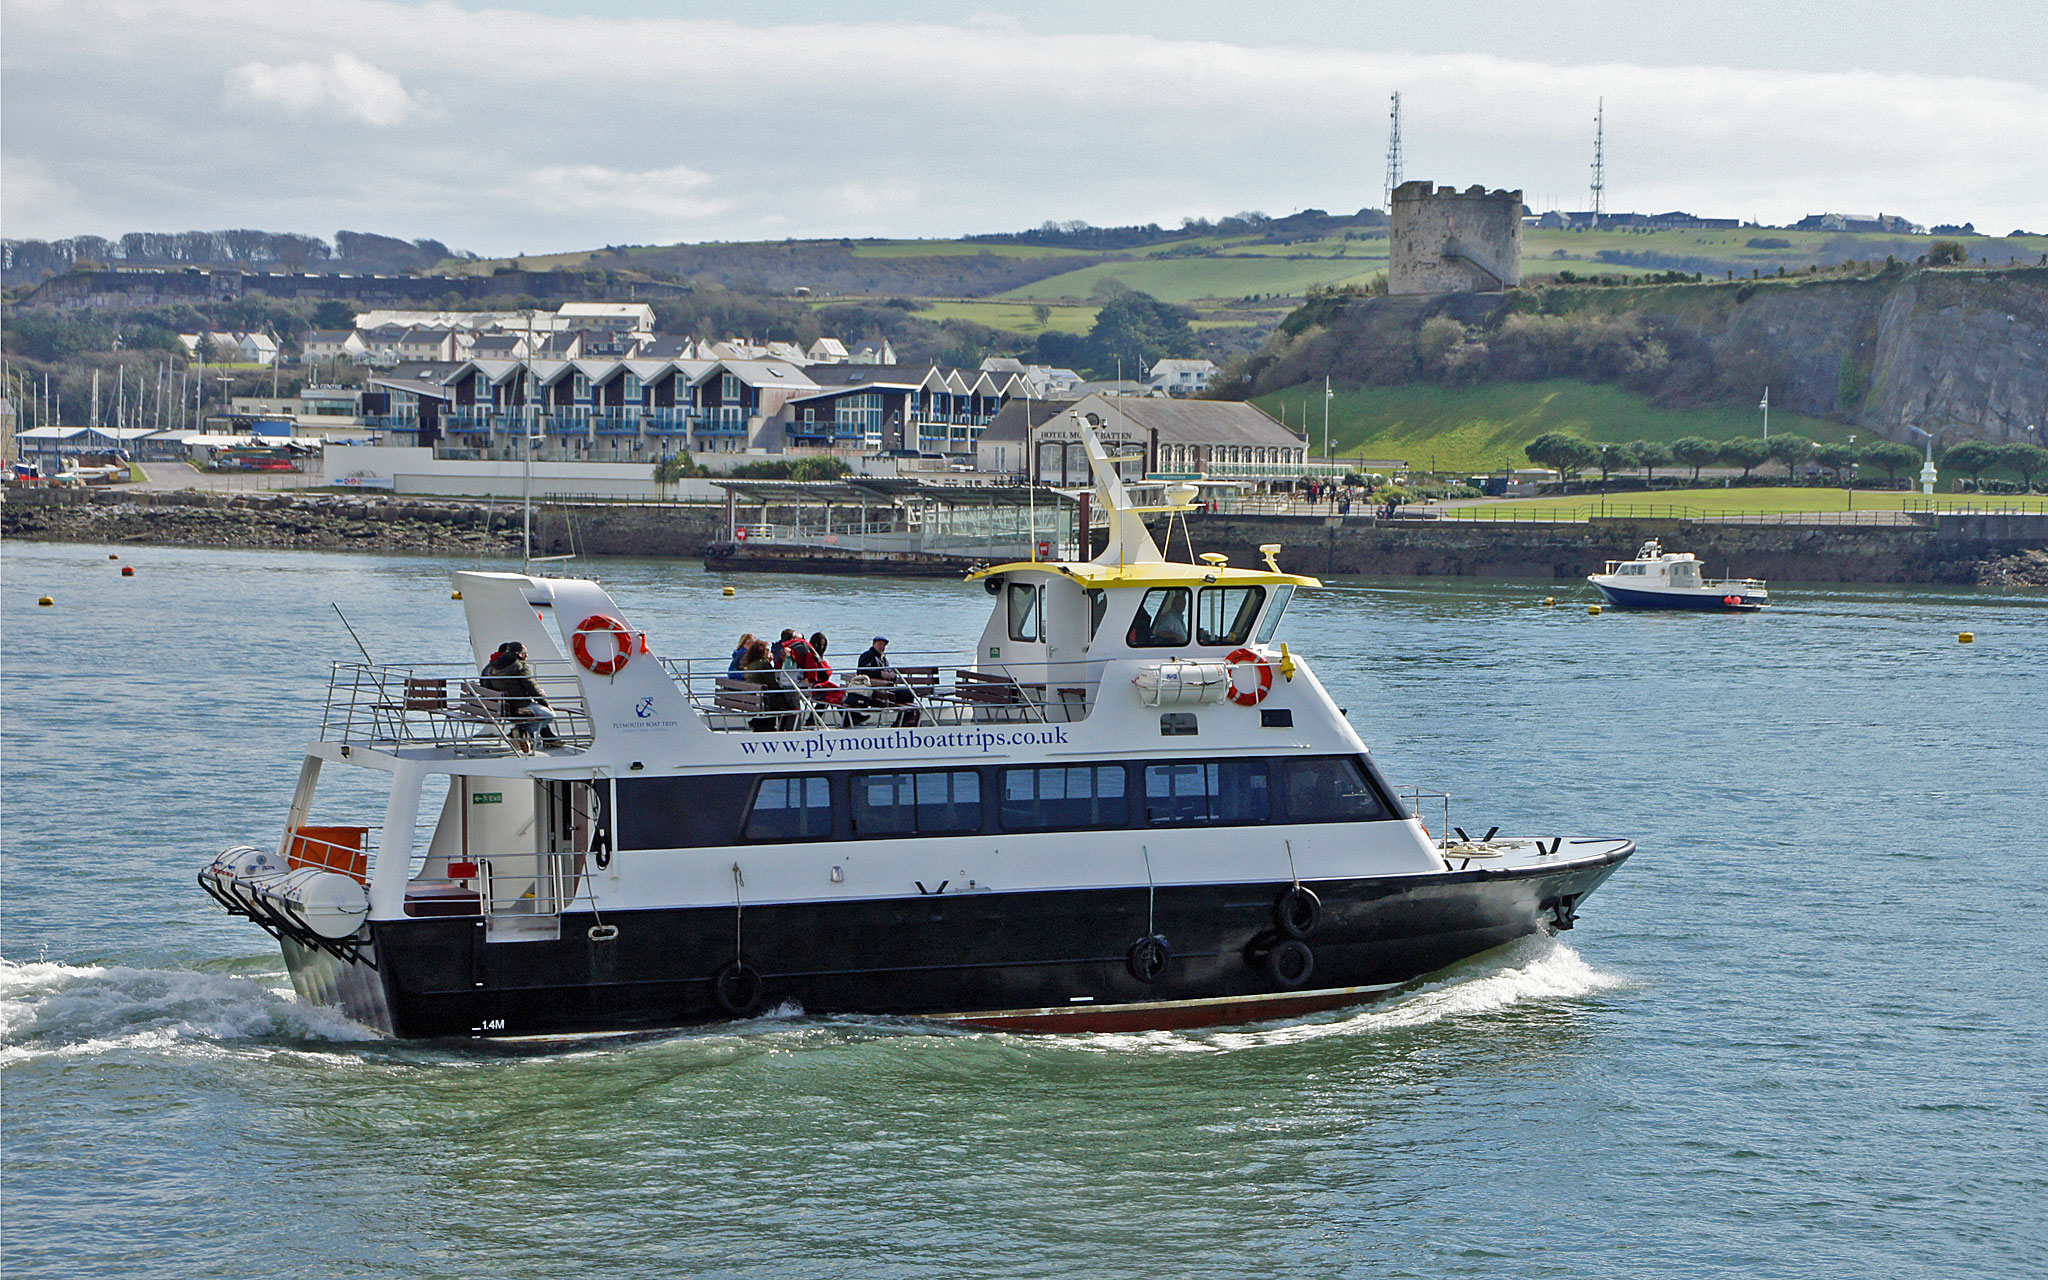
[(1265, 669), (621, 638)]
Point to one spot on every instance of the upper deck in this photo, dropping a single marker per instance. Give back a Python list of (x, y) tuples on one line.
[(1099, 642)]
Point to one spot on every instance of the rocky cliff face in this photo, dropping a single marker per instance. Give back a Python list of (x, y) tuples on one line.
[(1959, 352), (1963, 350)]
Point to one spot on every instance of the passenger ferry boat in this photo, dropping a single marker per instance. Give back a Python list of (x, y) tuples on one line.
[(1134, 807), (1660, 579)]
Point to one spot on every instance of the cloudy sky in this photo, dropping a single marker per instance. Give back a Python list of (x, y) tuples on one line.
[(528, 127)]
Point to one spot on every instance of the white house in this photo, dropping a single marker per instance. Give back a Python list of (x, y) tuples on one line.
[(1182, 377), (331, 344)]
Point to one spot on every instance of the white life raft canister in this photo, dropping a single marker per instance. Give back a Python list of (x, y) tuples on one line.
[(1183, 684)]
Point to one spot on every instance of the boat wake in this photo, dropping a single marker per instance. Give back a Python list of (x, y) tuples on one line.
[(1533, 970), (59, 1010)]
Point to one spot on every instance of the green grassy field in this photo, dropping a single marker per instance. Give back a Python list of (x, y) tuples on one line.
[(1253, 268), (1017, 317), (1732, 501), (1484, 428), (1186, 279), (957, 248)]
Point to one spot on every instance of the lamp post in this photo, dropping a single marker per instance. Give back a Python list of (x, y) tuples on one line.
[(1328, 395), (1766, 407), (1849, 486)]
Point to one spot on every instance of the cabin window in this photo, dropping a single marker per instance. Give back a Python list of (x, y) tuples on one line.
[(1065, 796), (1162, 619), (1221, 792), (791, 809), (904, 804), (1027, 611), (1098, 604), (1227, 613), (1281, 595), (1329, 789)]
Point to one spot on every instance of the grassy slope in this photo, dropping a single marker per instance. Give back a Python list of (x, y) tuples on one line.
[(1186, 279), (1731, 501), (1017, 317), (1255, 268), (1484, 428)]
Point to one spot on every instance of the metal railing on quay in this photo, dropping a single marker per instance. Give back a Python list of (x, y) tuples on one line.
[(449, 707)]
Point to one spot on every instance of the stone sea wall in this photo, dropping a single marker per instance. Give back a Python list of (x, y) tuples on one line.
[(353, 522), (1952, 549)]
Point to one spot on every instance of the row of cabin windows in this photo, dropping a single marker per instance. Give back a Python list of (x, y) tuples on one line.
[(669, 813), (1224, 616)]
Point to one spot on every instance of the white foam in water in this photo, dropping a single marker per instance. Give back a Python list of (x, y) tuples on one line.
[(1533, 969), (71, 1011)]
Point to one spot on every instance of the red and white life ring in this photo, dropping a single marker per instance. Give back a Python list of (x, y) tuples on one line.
[(1252, 697), (622, 640)]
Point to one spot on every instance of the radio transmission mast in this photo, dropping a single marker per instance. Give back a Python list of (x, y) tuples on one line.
[(1393, 154), (1600, 160)]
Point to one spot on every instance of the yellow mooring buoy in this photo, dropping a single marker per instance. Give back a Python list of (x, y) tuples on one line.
[(1966, 637), (1592, 608), (113, 557), (455, 595), (728, 591), (46, 602), (1549, 600)]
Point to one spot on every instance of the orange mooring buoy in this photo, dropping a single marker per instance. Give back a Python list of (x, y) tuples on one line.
[(127, 570)]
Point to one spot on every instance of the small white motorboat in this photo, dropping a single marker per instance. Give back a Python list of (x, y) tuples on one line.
[(1660, 579)]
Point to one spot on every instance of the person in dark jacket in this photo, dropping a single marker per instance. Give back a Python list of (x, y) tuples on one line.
[(519, 697), (885, 686)]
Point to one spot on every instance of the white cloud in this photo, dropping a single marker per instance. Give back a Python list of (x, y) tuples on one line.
[(594, 189), (552, 131), (344, 84)]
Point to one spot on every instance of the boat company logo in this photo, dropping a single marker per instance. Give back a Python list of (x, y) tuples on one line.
[(817, 745), (644, 708)]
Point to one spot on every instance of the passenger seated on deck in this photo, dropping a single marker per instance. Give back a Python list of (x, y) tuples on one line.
[(737, 670), (812, 671), (885, 687), (519, 698), (760, 669)]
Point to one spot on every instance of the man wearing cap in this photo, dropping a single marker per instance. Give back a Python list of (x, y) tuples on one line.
[(885, 687)]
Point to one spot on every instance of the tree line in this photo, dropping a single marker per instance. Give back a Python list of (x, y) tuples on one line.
[(1571, 455), (26, 261)]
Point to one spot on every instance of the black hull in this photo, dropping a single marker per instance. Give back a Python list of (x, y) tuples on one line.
[(1020, 958)]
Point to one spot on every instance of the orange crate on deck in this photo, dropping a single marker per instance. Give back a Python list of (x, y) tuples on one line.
[(332, 848)]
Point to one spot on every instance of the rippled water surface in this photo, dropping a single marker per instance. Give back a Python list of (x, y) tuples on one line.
[(1803, 1032)]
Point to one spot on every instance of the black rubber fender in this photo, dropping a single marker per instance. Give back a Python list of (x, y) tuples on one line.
[(1290, 963), (737, 989), (1298, 911), (1148, 957)]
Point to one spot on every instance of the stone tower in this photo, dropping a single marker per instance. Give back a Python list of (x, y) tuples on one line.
[(1448, 241)]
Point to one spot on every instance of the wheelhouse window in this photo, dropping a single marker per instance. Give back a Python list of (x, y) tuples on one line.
[(1064, 796), (1161, 621), (925, 803), (1214, 792), (1027, 611), (1330, 789), (1281, 596), (791, 809), (1226, 614), (1098, 604)]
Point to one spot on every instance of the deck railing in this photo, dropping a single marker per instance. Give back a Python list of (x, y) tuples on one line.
[(397, 705), (928, 691)]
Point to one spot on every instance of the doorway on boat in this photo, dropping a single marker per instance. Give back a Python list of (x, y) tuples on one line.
[(525, 893)]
